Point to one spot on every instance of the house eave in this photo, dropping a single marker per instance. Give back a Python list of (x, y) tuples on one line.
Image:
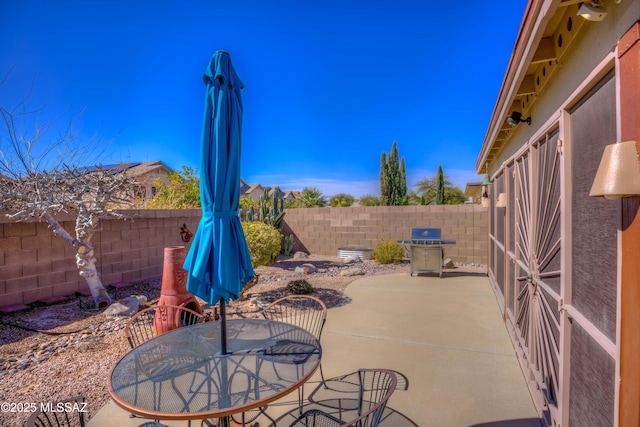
[(534, 47)]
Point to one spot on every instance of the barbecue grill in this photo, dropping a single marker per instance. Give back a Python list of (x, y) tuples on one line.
[(426, 249)]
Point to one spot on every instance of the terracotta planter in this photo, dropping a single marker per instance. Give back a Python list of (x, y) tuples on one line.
[(174, 288)]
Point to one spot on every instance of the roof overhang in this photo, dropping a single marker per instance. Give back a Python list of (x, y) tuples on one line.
[(547, 29)]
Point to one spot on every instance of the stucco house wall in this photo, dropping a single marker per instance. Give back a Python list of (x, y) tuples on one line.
[(560, 261)]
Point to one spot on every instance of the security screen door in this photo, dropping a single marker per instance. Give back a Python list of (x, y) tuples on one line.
[(534, 294)]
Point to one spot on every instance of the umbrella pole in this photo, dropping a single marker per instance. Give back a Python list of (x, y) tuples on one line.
[(223, 327)]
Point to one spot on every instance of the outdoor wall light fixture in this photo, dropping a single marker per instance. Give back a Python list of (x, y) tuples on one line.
[(502, 200), (484, 201), (486, 180), (593, 12), (516, 118), (619, 171)]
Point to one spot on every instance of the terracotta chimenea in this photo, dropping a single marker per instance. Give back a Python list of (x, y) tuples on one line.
[(174, 288)]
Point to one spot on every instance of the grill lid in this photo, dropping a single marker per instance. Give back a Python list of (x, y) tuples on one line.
[(426, 234)]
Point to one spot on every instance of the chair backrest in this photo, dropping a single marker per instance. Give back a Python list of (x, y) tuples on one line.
[(376, 387), (65, 413), (154, 321), (304, 311)]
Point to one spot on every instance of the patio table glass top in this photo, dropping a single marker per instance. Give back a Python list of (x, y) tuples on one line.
[(181, 375)]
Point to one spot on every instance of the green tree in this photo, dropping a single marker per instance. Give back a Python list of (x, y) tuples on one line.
[(417, 199), (311, 197), (393, 179), (439, 186), (181, 192), (454, 196), (369, 200), (426, 191), (341, 200)]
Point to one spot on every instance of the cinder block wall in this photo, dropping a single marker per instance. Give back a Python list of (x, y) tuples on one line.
[(325, 230), (35, 264)]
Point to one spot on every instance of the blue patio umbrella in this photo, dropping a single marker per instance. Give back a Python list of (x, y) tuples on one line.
[(218, 262)]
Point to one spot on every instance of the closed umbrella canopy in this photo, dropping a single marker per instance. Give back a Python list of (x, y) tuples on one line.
[(218, 262)]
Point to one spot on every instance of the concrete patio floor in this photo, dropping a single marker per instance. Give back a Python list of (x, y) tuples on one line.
[(445, 335)]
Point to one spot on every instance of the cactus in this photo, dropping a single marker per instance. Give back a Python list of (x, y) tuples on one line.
[(270, 210), (287, 244), (276, 196)]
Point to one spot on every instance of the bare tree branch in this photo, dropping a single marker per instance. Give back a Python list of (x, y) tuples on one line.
[(39, 179)]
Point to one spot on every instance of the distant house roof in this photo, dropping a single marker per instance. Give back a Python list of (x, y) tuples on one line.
[(143, 168), (133, 169), (291, 194), (251, 187), (248, 189), (472, 189)]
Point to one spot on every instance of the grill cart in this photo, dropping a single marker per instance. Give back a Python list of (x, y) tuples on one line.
[(426, 249)]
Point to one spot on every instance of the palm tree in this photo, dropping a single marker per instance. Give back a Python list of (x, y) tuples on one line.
[(311, 197)]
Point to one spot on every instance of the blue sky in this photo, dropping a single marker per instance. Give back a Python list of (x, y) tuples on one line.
[(328, 85)]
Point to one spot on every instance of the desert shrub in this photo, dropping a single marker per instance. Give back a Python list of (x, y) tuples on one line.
[(341, 200), (263, 241), (299, 287), (388, 252), (247, 202), (369, 200)]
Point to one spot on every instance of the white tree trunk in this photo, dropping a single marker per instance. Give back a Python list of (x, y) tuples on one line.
[(85, 260), (86, 263)]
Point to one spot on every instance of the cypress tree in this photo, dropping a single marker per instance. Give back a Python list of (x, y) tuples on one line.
[(393, 180), (384, 181), (439, 186), (402, 187)]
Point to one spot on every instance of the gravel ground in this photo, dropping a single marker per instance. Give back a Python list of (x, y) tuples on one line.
[(78, 345)]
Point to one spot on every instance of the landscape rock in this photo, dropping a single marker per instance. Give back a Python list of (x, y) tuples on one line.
[(351, 259), (306, 268), (448, 263), (126, 307), (300, 255), (352, 271)]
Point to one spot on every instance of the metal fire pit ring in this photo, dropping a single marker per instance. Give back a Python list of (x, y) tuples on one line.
[(360, 251)]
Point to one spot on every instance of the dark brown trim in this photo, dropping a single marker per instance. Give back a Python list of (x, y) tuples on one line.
[(629, 72)]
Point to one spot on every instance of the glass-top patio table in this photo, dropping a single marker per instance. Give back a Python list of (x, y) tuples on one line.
[(181, 375)]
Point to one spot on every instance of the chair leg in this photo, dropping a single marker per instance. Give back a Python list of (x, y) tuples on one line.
[(324, 383), (300, 398)]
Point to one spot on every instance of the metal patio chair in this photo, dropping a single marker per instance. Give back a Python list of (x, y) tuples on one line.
[(304, 311), (157, 320), (72, 414), (341, 393), (375, 388)]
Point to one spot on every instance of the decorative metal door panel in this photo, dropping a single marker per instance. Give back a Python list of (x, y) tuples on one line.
[(537, 268)]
